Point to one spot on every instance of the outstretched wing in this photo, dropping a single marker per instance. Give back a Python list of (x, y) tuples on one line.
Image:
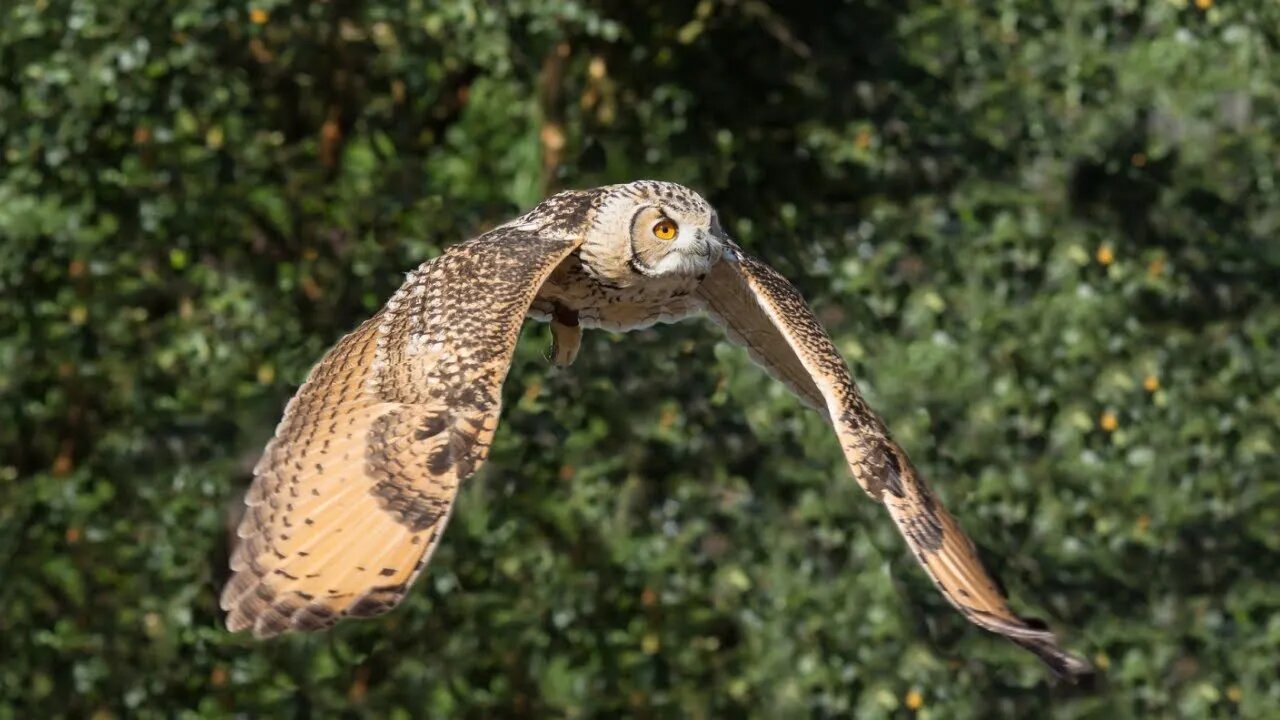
[(761, 310), (352, 494)]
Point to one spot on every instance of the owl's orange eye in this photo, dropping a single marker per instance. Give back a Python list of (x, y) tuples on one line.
[(664, 230)]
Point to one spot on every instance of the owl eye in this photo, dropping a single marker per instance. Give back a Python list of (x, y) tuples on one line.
[(665, 229)]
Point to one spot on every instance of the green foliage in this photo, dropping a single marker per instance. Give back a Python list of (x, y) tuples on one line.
[(1044, 234)]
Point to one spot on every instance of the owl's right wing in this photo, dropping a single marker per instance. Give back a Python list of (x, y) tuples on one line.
[(764, 312), (352, 494)]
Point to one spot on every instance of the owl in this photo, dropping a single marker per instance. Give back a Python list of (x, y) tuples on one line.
[(352, 494)]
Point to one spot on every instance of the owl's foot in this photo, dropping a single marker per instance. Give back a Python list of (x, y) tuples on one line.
[(566, 336)]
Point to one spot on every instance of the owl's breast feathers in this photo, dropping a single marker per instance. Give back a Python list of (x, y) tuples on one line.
[(597, 303)]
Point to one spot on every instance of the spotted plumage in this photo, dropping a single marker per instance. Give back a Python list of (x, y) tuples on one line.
[(353, 492)]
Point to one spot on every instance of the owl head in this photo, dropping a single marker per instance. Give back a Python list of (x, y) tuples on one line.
[(647, 230)]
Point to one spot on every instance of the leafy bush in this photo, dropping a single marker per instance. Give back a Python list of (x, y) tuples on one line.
[(1044, 234)]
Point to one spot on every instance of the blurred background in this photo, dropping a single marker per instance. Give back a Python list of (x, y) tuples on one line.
[(1044, 235)]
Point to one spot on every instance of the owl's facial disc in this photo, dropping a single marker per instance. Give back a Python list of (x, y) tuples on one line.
[(669, 241)]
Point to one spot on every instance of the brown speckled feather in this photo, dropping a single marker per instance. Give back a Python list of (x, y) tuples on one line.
[(763, 311), (353, 493)]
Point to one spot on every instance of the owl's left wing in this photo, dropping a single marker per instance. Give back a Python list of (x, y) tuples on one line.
[(764, 312)]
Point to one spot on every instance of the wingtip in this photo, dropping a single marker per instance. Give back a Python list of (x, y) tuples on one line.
[(237, 621), (1066, 666), (1034, 635)]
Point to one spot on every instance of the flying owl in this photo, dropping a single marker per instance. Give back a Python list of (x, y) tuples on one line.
[(352, 494)]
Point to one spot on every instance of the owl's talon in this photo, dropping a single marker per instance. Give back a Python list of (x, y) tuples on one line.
[(566, 336), (565, 342)]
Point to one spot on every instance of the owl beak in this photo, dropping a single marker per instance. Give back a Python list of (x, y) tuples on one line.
[(728, 249), (709, 247)]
